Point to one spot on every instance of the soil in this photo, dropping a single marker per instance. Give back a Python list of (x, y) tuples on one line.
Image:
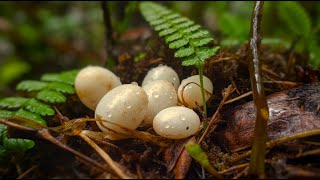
[(144, 159)]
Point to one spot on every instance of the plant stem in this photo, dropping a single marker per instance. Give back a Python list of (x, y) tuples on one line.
[(257, 167), (107, 28), (200, 69)]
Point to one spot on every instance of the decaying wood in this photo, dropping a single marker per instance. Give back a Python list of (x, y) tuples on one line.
[(291, 111)]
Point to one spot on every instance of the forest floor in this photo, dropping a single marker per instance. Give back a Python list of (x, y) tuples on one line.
[(285, 76)]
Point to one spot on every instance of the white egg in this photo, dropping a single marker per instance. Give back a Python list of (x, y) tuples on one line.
[(176, 122), (162, 72), (125, 105), (92, 83), (161, 94), (191, 93)]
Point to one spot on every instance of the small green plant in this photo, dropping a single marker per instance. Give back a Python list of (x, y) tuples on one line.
[(49, 90), (10, 145), (299, 25), (190, 41)]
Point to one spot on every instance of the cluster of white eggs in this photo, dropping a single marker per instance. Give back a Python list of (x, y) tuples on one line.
[(155, 103)]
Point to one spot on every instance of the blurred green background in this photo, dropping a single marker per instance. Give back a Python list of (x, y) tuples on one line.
[(38, 37)]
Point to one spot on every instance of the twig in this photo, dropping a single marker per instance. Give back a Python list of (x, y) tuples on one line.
[(18, 126), (44, 133), (27, 172), (227, 93), (238, 98), (105, 156), (234, 168), (279, 141)]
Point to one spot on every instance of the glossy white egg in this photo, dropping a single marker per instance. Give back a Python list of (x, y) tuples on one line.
[(176, 122), (161, 94), (189, 92), (125, 105), (162, 72), (92, 83)]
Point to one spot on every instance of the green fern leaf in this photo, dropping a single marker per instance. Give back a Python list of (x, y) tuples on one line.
[(162, 26), (39, 108), (157, 22), (190, 61), (61, 87), (199, 34), (179, 20), (185, 24), (187, 38), (167, 31), (50, 96), (205, 52), (17, 144), (173, 37), (5, 115), (12, 102), (191, 29), (178, 43), (67, 77), (183, 52), (200, 42), (172, 16), (31, 85), (21, 113)]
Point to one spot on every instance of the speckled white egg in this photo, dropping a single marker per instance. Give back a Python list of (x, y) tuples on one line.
[(125, 105), (176, 122), (92, 83), (191, 93), (162, 72), (161, 94)]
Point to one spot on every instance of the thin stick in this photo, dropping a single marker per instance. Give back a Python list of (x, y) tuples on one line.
[(27, 172), (18, 126), (238, 98), (279, 141), (234, 168), (225, 97), (105, 156), (44, 133)]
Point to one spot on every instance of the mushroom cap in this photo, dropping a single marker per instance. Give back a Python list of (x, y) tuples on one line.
[(125, 105), (190, 94), (162, 72), (176, 122), (92, 83), (161, 94)]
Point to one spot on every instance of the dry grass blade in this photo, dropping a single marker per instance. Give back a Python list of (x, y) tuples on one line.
[(279, 141), (114, 166), (226, 94)]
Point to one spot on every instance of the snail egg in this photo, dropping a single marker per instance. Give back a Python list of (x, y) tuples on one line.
[(162, 72), (176, 122), (92, 83), (191, 93), (125, 105), (161, 94)]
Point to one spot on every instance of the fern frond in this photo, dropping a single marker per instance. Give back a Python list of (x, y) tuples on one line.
[(17, 144), (61, 87), (67, 77), (31, 85), (50, 96), (12, 102), (21, 113), (188, 39), (38, 107)]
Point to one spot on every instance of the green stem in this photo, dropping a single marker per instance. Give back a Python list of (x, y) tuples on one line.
[(200, 69)]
